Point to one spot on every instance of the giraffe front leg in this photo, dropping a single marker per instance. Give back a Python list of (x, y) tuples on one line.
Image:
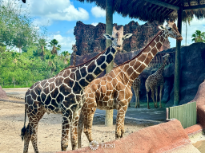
[(156, 95), (65, 131), (88, 121), (152, 95), (120, 122), (147, 100), (160, 95)]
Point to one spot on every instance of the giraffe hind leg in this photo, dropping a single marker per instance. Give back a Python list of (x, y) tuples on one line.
[(26, 133), (34, 116)]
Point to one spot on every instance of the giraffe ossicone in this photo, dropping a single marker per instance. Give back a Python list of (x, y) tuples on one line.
[(63, 94), (113, 90)]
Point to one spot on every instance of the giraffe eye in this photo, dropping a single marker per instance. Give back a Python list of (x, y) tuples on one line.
[(169, 29)]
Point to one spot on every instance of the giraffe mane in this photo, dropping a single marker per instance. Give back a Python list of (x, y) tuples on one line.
[(72, 66), (141, 50)]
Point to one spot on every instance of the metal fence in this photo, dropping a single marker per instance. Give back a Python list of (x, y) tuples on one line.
[(186, 114)]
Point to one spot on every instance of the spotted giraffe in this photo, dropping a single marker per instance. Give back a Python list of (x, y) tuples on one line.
[(74, 48), (136, 87), (113, 90), (63, 94), (154, 81)]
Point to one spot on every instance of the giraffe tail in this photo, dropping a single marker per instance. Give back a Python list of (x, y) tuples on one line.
[(80, 129)]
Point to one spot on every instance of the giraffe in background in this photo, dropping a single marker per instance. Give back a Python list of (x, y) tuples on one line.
[(74, 48), (136, 86), (113, 90), (63, 94), (154, 81)]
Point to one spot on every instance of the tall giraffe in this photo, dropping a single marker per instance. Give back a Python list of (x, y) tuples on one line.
[(154, 81), (74, 48), (63, 94), (113, 90)]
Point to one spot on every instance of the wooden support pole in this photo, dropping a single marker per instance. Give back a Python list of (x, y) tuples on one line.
[(177, 62), (109, 27)]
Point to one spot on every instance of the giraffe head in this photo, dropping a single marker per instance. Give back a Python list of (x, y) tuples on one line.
[(74, 48), (117, 38), (172, 31)]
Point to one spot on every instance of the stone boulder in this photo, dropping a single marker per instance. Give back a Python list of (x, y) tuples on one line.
[(3, 94)]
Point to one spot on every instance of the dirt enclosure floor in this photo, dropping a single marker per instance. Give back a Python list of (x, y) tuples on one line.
[(49, 131)]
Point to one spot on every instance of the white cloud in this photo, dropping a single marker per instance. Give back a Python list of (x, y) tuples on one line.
[(98, 12), (42, 22), (70, 31), (94, 24), (65, 42), (56, 10)]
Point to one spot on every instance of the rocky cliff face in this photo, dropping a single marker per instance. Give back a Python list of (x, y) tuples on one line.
[(90, 38)]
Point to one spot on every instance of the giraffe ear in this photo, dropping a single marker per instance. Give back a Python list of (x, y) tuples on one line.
[(107, 36), (128, 35), (161, 27)]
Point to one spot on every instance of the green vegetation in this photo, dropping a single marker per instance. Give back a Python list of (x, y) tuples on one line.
[(34, 61), (198, 36)]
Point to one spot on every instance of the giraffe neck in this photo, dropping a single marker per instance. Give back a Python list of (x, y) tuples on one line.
[(161, 69), (135, 66), (87, 72)]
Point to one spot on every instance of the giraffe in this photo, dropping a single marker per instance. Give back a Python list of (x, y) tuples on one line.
[(113, 90), (74, 48), (63, 94), (154, 81), (136, 86)]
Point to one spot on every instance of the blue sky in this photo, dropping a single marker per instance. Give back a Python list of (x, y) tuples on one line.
[(60, 17)]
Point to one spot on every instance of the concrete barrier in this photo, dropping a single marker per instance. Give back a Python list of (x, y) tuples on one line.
[(153, 139)]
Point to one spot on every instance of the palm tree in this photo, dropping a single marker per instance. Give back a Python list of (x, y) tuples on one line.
[(42, 43), (66, 56), (54, 43), (187, 21), (198, 36)]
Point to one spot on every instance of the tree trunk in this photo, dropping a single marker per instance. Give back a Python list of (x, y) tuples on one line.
[(109, 27)]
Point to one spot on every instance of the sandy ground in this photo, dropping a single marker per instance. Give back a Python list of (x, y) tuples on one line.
[(49, 133)]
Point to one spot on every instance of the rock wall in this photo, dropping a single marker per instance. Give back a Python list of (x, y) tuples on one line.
[(90, 38)]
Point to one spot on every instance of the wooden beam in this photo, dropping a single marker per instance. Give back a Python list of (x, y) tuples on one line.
[(160, 3), (193, 7)]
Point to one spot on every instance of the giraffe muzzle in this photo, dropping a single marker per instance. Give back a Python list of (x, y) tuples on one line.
[(179, 38)]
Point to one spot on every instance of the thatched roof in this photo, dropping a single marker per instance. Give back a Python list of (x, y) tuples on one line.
[(149, 10)]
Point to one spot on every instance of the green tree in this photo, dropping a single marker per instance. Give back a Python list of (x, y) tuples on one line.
[(198, 36), (55, 46)]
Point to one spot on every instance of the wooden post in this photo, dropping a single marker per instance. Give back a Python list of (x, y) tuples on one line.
[(109, 27), (177, 62)]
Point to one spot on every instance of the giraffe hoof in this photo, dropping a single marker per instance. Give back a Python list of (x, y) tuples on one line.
[(148, 107)]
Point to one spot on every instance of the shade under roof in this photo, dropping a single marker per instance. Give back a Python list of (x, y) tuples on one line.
[(148, 10)]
